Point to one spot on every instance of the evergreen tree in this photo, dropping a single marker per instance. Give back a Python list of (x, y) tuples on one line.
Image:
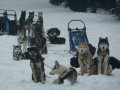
[(56, 2), (116, 11), (75, 5)]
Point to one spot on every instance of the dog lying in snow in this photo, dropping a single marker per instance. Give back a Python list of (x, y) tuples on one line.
[(64, 73)]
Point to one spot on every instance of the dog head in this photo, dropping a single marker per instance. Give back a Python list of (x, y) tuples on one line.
[(58, 69), (33, 51), (103, 44), (83, 48), (55, 68), (31, 16), (20, 35), (17, 49)]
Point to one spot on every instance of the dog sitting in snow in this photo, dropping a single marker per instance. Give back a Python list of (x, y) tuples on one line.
[(17, 53), (37, 64), (103, 57), (64, 73), (85, 59)]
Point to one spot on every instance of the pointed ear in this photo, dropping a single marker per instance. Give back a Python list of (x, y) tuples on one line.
[(13, 46), (106, 38), (56, 63), (100, 39)]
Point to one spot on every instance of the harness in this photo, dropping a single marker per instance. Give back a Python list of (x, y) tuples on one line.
[(103, 53), (72, 70), (36, 60)]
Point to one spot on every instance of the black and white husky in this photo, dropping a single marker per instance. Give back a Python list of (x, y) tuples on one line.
[(17, 53), (103, 57), (64, 73)]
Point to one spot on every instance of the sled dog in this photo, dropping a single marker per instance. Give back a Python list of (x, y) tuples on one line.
[(17, 53), (22, 39), (85, 59), (37, 64), (103, 57), (64, 73)]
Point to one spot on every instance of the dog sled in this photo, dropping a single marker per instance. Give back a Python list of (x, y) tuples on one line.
[(8, 22), (78, 35)]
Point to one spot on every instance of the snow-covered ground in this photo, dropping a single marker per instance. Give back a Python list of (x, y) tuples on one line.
[(17, 75)]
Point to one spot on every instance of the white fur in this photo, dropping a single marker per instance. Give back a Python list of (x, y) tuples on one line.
[(62, 70)]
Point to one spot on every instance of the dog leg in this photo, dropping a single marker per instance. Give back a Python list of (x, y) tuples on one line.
[(33, 71), (106, 64), (99, 64), (24, 46), (81, 66), (88, 70), (41, 72)]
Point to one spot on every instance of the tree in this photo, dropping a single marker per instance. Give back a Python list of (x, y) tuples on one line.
[(75, 5), (56, 2), (116, 11)]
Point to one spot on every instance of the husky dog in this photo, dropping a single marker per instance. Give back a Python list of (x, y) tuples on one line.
[(22, 18), (85, 59), (22, 39), (40, 42), (103, 57), (17, 53), (64, 73), (31, 32), (37, 64)]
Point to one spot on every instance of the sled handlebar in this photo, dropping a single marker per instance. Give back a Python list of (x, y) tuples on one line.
[(84, 28), (2, 10)]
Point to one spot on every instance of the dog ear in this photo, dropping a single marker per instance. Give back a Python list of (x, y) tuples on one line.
[(106, 38), (100, 39), (13, 46), (56, 63), (29, 12)]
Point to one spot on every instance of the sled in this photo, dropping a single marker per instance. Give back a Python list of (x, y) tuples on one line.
[(9, 26), (76, 35), (1, 20)]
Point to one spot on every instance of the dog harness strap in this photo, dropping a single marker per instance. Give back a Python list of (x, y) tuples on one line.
[(67, 75)]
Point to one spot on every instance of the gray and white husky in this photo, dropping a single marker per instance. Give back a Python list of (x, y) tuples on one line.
[(64, 73), (103, 57), (17, 53), (22, 40)]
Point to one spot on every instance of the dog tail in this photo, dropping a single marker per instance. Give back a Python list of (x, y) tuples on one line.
[(114, 62)]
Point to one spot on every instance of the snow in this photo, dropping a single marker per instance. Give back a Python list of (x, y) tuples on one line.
[(16, 75)]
